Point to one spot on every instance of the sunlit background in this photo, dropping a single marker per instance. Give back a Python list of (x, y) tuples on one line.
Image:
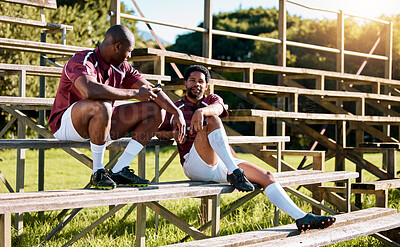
[(190, 13)]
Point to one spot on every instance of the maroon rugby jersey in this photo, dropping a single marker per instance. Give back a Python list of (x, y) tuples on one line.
[(188, 108), (88, 63)]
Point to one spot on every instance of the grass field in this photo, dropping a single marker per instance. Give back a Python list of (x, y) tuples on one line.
[(64, 172)]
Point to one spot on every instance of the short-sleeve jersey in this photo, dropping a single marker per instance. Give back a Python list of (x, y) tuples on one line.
[(88, 63), (188, 108)]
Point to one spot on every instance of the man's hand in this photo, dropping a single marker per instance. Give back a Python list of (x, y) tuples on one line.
[(179, 127), (197, 121), (147, 93)]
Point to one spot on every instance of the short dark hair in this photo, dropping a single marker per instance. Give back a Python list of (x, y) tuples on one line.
[(199, 68)]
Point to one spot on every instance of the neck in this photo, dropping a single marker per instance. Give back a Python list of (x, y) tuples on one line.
[(104, 55), (192, 100)]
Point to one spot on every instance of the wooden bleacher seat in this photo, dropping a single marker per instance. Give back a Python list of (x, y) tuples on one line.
[(379, 188), (67, 199), (348, 226), (245, 114), (149, 54), (40, 47), (48, 4)]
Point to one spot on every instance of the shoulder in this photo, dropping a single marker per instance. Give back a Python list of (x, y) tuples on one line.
[(81, 57), (213, 98), (179, 103)]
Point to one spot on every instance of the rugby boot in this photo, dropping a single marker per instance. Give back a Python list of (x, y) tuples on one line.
[(127, 176), (312, 221), (101, 180), (240, 181)]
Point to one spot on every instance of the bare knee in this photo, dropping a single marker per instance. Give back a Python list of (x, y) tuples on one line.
[(102, 109), (214, 122), (270, 177)]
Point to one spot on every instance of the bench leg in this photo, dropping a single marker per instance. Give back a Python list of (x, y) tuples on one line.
[(140, 225), (381, 198), (216, 215), (5, 230), (206, 210), (348, 195)]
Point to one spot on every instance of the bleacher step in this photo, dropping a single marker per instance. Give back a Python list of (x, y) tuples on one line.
[(348, 226)]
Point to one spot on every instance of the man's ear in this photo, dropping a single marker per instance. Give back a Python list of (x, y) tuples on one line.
[(117, 46), (185, 83)]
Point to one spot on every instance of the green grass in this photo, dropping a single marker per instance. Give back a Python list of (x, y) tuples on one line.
[(64, 172)]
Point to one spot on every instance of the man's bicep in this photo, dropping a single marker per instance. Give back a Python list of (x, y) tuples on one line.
[(82, 83), (139, 83)]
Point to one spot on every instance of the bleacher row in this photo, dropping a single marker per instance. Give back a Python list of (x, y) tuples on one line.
[(382, 223)]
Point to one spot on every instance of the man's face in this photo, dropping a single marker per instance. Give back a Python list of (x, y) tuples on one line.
[(196, 85), (122, 53)]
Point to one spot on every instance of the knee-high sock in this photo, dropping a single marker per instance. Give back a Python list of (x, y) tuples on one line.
[(97, 156), (130, 152), (278, 196), (219, 142)]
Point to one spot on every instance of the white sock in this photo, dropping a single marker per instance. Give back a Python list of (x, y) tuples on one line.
[(219, 142), (98, 156), (278, 196), (130, 152)]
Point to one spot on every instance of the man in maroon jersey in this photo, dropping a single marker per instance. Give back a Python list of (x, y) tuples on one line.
[(83, 109), (206, 156)]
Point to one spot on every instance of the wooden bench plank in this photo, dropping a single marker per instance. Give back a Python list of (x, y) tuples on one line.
[(34, 23), (378, 185), (54, 143), (339, 234), (244, 114), (40, 47), (286, 232), (53, 200), (182, 58), (56, 72)]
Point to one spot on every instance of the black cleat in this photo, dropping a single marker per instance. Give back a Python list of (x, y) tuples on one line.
[(240, 181), (128, 176), (312, 221), (101, 180)]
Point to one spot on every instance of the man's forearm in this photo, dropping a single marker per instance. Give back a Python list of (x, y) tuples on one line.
[(165, 135), (215, 109), (164, 102)]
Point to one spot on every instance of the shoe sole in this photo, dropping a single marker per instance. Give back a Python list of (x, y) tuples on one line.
[(103, 187), (138, 185)]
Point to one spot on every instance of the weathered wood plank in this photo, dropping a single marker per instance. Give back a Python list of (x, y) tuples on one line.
[(263, 88), (378, 185), (181, 58), (54, 143), (40, 47), (295, 152), (56, 72), (34, 23), (245, 113), (287, 232), (339, 234), (53, 200)]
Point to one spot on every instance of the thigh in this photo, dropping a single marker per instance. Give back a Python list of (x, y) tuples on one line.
[(84, 110), (67, 130), (204, 149), (126, 117), (197, 169)]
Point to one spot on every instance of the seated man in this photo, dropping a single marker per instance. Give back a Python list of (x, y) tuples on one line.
[(206, 156), (83, 107)]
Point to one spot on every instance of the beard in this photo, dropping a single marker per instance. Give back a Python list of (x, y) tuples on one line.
[(194, 95)]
